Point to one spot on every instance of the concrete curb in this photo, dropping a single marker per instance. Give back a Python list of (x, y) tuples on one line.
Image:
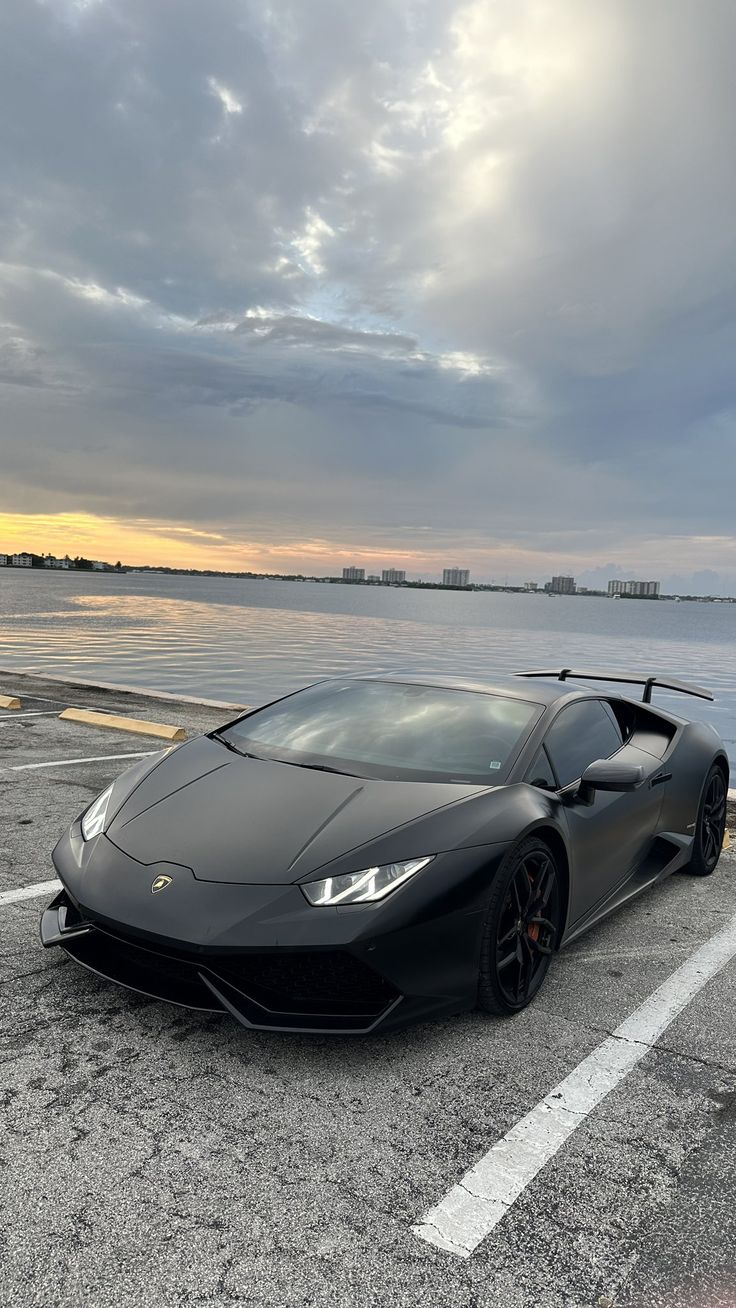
[(123, 689)]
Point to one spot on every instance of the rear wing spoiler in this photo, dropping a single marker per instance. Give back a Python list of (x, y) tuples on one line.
[(630, 678)]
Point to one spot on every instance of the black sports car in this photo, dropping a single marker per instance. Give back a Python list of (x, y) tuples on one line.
[(370, 851)]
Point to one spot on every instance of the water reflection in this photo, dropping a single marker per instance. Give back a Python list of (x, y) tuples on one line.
[(258, 640)]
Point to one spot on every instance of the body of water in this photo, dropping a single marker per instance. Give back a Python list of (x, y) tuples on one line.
[(251, 641)]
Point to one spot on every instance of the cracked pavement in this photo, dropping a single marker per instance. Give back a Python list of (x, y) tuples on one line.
[(153, 1155)]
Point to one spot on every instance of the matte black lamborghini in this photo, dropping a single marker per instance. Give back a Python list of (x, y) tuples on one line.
[(370, 851)]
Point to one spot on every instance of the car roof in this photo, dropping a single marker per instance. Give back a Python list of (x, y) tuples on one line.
[(534, 692)]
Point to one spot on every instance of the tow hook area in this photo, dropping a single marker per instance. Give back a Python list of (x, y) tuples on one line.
[(60, 922)]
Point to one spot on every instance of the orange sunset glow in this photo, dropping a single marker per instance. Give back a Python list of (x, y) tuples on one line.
[(145, 542), (138, 543), (148, 542)]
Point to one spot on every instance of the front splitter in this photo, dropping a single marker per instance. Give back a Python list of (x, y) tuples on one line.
[(183, 982)]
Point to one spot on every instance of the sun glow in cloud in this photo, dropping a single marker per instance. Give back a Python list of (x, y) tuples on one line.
[(229, 102)]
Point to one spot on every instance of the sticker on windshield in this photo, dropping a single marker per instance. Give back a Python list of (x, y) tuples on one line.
[(495, 765)]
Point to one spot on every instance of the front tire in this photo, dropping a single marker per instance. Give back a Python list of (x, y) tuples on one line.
[(710, 827), (521, 929)]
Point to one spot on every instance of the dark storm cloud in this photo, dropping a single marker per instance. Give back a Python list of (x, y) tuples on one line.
[(345, 270)]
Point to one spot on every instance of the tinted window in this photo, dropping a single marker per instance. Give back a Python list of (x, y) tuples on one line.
[(581, 734), (541, 774), (391, 730)]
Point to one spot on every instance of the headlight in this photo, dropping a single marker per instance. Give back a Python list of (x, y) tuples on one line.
[(363, 887), (93, 821)]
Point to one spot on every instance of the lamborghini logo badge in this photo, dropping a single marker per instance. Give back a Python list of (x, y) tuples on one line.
[(160, 883)]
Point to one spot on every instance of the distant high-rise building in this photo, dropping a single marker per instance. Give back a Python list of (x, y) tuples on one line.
[(563, 586), (353, 574), (22, 560), (648, 589), (393, 576), (530, 585), (455, 576)]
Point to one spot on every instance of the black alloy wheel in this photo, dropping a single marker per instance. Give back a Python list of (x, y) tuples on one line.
[(521, 929), (710, 827)]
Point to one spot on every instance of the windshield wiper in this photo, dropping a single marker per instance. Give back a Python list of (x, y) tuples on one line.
[(316, 767), (215, 735)]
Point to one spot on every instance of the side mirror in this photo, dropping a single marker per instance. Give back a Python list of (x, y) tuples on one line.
[(610, 774)]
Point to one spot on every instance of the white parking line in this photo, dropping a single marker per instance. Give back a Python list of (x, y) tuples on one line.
[(473, 1207), (45, 699), (69, 762), (32, 713), (28, 892)]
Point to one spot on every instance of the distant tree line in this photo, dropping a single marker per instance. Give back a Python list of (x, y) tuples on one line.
[(79, 561)]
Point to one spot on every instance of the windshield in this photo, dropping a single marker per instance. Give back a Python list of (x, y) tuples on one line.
[(390, 730)]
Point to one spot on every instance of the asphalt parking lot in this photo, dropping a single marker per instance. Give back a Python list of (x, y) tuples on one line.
[(155, 1156)]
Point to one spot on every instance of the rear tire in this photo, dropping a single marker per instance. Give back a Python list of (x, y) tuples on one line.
[(710, 827), (521, 929)]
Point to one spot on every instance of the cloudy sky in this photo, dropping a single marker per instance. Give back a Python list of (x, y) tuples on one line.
[(291, 285)]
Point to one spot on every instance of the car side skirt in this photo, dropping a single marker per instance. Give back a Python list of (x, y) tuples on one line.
[(668, 853)]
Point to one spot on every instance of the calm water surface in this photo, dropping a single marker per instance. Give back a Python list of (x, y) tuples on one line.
[(250, 641)]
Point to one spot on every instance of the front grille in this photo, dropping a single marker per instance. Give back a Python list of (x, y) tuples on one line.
[(311, 982), (330, 985)]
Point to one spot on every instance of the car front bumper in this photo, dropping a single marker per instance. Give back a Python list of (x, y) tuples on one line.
[(261, 953)]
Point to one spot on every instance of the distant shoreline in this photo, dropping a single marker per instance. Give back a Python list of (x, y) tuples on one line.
[(585, 593)]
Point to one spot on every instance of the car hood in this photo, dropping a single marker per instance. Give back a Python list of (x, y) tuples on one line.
[(257, 822)]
